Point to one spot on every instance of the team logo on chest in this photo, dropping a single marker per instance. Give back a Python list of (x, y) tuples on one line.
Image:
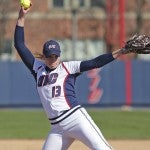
[(47, 79), (50, 80)]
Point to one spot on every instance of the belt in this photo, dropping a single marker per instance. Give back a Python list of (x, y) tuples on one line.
[(64, 115)]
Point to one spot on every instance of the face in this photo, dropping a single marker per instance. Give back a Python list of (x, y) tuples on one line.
[(52, 61)]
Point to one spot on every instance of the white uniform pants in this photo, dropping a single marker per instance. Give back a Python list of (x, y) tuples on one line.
[(77, 126)]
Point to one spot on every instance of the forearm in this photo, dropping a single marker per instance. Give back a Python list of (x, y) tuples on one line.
[(21, 18), (20, 22)]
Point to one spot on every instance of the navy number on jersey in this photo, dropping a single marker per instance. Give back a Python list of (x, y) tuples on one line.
[(56, 91)]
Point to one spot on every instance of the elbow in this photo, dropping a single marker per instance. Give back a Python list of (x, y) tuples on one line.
[(18, 45), (15, 45)]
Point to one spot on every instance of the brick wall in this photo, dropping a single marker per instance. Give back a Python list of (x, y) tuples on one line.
[(44, 23)]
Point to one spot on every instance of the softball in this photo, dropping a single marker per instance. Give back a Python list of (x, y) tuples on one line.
[(25, 3)]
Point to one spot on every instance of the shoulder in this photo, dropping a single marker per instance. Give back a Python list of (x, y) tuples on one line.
[(72, 63), (72, 66), (38, 64)]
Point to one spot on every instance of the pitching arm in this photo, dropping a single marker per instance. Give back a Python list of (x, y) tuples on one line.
[(19, 41), (23, 51)]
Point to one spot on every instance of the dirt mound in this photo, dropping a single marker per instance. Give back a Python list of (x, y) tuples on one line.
[(37, 145)]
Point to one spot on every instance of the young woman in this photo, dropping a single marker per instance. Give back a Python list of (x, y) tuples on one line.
[(55, 82)]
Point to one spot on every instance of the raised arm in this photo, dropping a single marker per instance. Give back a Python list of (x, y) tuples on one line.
[(19, 42), (99, 61)]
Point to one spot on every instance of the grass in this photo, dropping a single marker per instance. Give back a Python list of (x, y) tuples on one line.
[(114, 124), (23, 124), (123, 124)]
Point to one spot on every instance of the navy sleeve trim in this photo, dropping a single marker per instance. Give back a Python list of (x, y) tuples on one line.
[(96, 62)]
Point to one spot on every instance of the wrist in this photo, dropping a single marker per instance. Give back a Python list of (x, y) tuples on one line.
[(117, 53), (21, 21)]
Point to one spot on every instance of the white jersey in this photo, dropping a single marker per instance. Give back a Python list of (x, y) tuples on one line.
[(56, 87)]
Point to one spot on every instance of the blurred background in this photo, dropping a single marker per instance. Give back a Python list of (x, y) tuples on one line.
[(84, 29)]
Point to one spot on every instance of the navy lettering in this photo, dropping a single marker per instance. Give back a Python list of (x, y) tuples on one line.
[(47, 79)]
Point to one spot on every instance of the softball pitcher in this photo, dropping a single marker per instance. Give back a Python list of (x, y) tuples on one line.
[(55, 82)]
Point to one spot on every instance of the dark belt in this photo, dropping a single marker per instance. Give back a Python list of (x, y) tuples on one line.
[(65, 114)]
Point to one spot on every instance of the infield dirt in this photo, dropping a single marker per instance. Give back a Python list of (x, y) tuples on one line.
[(37, 145)]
